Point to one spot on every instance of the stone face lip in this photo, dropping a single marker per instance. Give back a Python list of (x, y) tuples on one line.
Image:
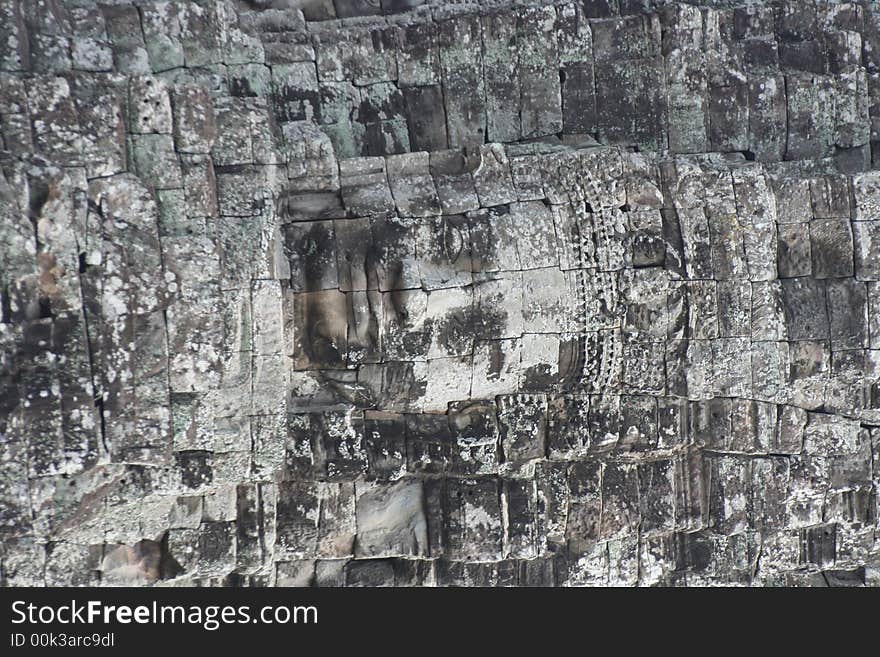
[(391, 292)]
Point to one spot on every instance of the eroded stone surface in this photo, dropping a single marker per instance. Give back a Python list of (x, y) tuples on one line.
[(574, 294)]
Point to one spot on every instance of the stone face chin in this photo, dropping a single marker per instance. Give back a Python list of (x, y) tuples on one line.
[(362, 293)]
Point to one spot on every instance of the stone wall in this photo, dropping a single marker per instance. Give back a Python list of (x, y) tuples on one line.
[(450, 294)]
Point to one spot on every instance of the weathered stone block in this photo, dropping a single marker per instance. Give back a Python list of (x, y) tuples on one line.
[(390, 520)]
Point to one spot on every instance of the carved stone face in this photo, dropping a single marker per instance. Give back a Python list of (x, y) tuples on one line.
[(473, 303)]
